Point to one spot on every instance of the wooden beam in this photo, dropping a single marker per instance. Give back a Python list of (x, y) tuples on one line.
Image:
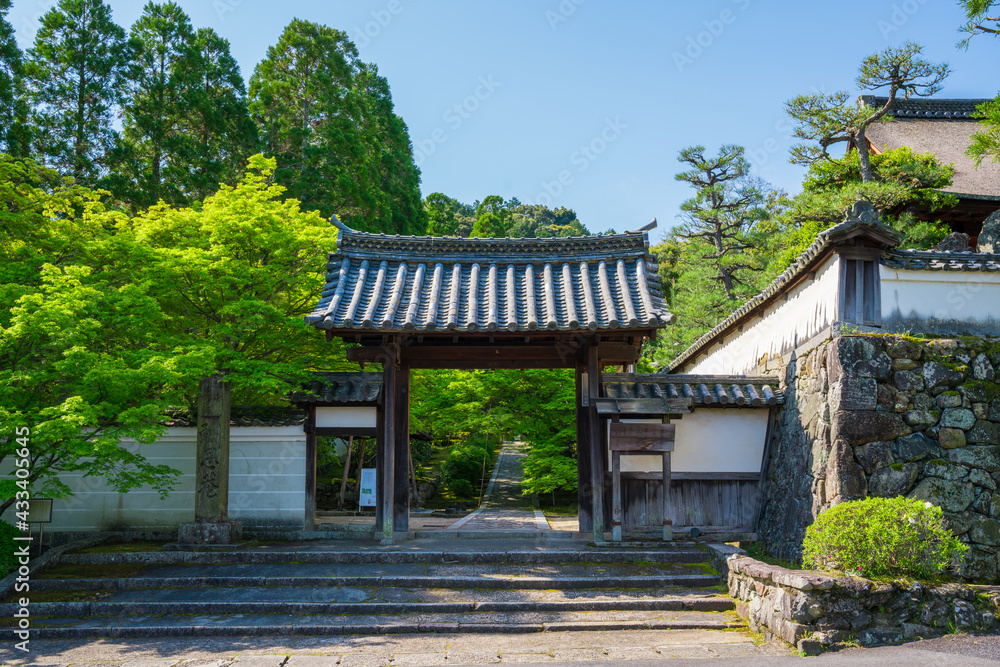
[(501, 355), (633, 407), (388, 445), (309, 522), (341, 431)]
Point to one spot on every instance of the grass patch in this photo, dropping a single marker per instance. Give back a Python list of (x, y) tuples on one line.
[(123, 548), (757, 552), (75, 571)]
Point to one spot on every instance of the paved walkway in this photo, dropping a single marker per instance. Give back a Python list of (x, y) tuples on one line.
[(504, 507)]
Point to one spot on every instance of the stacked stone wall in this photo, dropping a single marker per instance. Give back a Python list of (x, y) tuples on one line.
[(886, 415)]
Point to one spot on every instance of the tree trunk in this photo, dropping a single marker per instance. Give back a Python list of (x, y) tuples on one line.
[(864, 158)]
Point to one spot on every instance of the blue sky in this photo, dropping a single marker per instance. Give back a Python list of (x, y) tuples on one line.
[(586, 103)]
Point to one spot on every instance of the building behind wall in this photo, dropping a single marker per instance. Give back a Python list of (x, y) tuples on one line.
[(888, 362)]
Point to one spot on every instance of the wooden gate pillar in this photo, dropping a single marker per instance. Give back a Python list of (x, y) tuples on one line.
[(390, 375), (401, 456), (583, 492), (596, 453)]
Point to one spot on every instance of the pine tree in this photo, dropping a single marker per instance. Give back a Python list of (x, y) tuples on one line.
[(75, 75)]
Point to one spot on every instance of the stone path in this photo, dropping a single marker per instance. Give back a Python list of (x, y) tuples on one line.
[(504, 507)]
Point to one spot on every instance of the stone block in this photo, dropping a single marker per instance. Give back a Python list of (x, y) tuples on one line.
[(860, 427), (918, 631), (966, 616), (989, 236), (985, 531), (897, 347), (983, 433), (854, 393), (908, 381), (981, 368), (873, 456), (945, 470), (977, 456), (951, 438), (921, 417), (948, 399), (209, 532), (893, 481), (857, 357), (904, 365), (949, 496), (922, 401), (994, 411), (878, 637), (844, 477), (983, 479), (913, 447), (958, 418), (809, 647), (981, 410), (938, 375)]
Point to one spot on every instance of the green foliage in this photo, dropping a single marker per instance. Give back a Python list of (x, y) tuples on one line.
[(536, 405), (85, 359), (982, 19), (882, 537), (186, 122), (462, 471), (236, 275), (825, 119), (494, 217), (8, 559), (76, 73), (11, 86), (328, 119)]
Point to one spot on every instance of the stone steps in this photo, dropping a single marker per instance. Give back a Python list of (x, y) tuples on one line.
[(333, 588)]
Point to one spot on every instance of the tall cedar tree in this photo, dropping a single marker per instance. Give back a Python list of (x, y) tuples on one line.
[(187, 127), (824, 119), (75, 74), (157, 146), (328, 119), (12, 104), (983, 19)]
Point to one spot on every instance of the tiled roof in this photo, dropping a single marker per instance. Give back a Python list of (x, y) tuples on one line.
[(406, 283), (862, 218), (243, 415), (941, 127), (341, 388), (935, 260), (703, 390), (928, 107)]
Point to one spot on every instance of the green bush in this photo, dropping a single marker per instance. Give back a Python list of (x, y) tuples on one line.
[(881, 536), (462, 471), (8, 561)]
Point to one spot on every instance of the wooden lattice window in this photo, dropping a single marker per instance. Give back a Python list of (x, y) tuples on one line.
[(860, 288)]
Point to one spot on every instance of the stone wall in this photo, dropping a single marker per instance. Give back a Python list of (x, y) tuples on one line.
[(885, 415), (815, 611)]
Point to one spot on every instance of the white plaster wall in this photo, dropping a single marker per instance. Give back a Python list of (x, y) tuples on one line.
[(710, 440), (962, 301), (346, 417), (811, 307), (266, 484)]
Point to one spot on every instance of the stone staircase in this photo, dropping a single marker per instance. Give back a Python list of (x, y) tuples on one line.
[(491, 585)]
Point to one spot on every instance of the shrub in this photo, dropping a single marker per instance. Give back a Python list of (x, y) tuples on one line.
[(8, 561), (462, 471), (881, 536)]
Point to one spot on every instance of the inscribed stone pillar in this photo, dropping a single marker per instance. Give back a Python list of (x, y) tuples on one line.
[(211, 499)]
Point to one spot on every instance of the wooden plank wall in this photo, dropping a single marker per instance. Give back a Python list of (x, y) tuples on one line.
[(694, 502)]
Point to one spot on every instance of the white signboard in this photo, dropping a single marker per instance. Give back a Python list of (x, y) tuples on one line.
[(367, 488)]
